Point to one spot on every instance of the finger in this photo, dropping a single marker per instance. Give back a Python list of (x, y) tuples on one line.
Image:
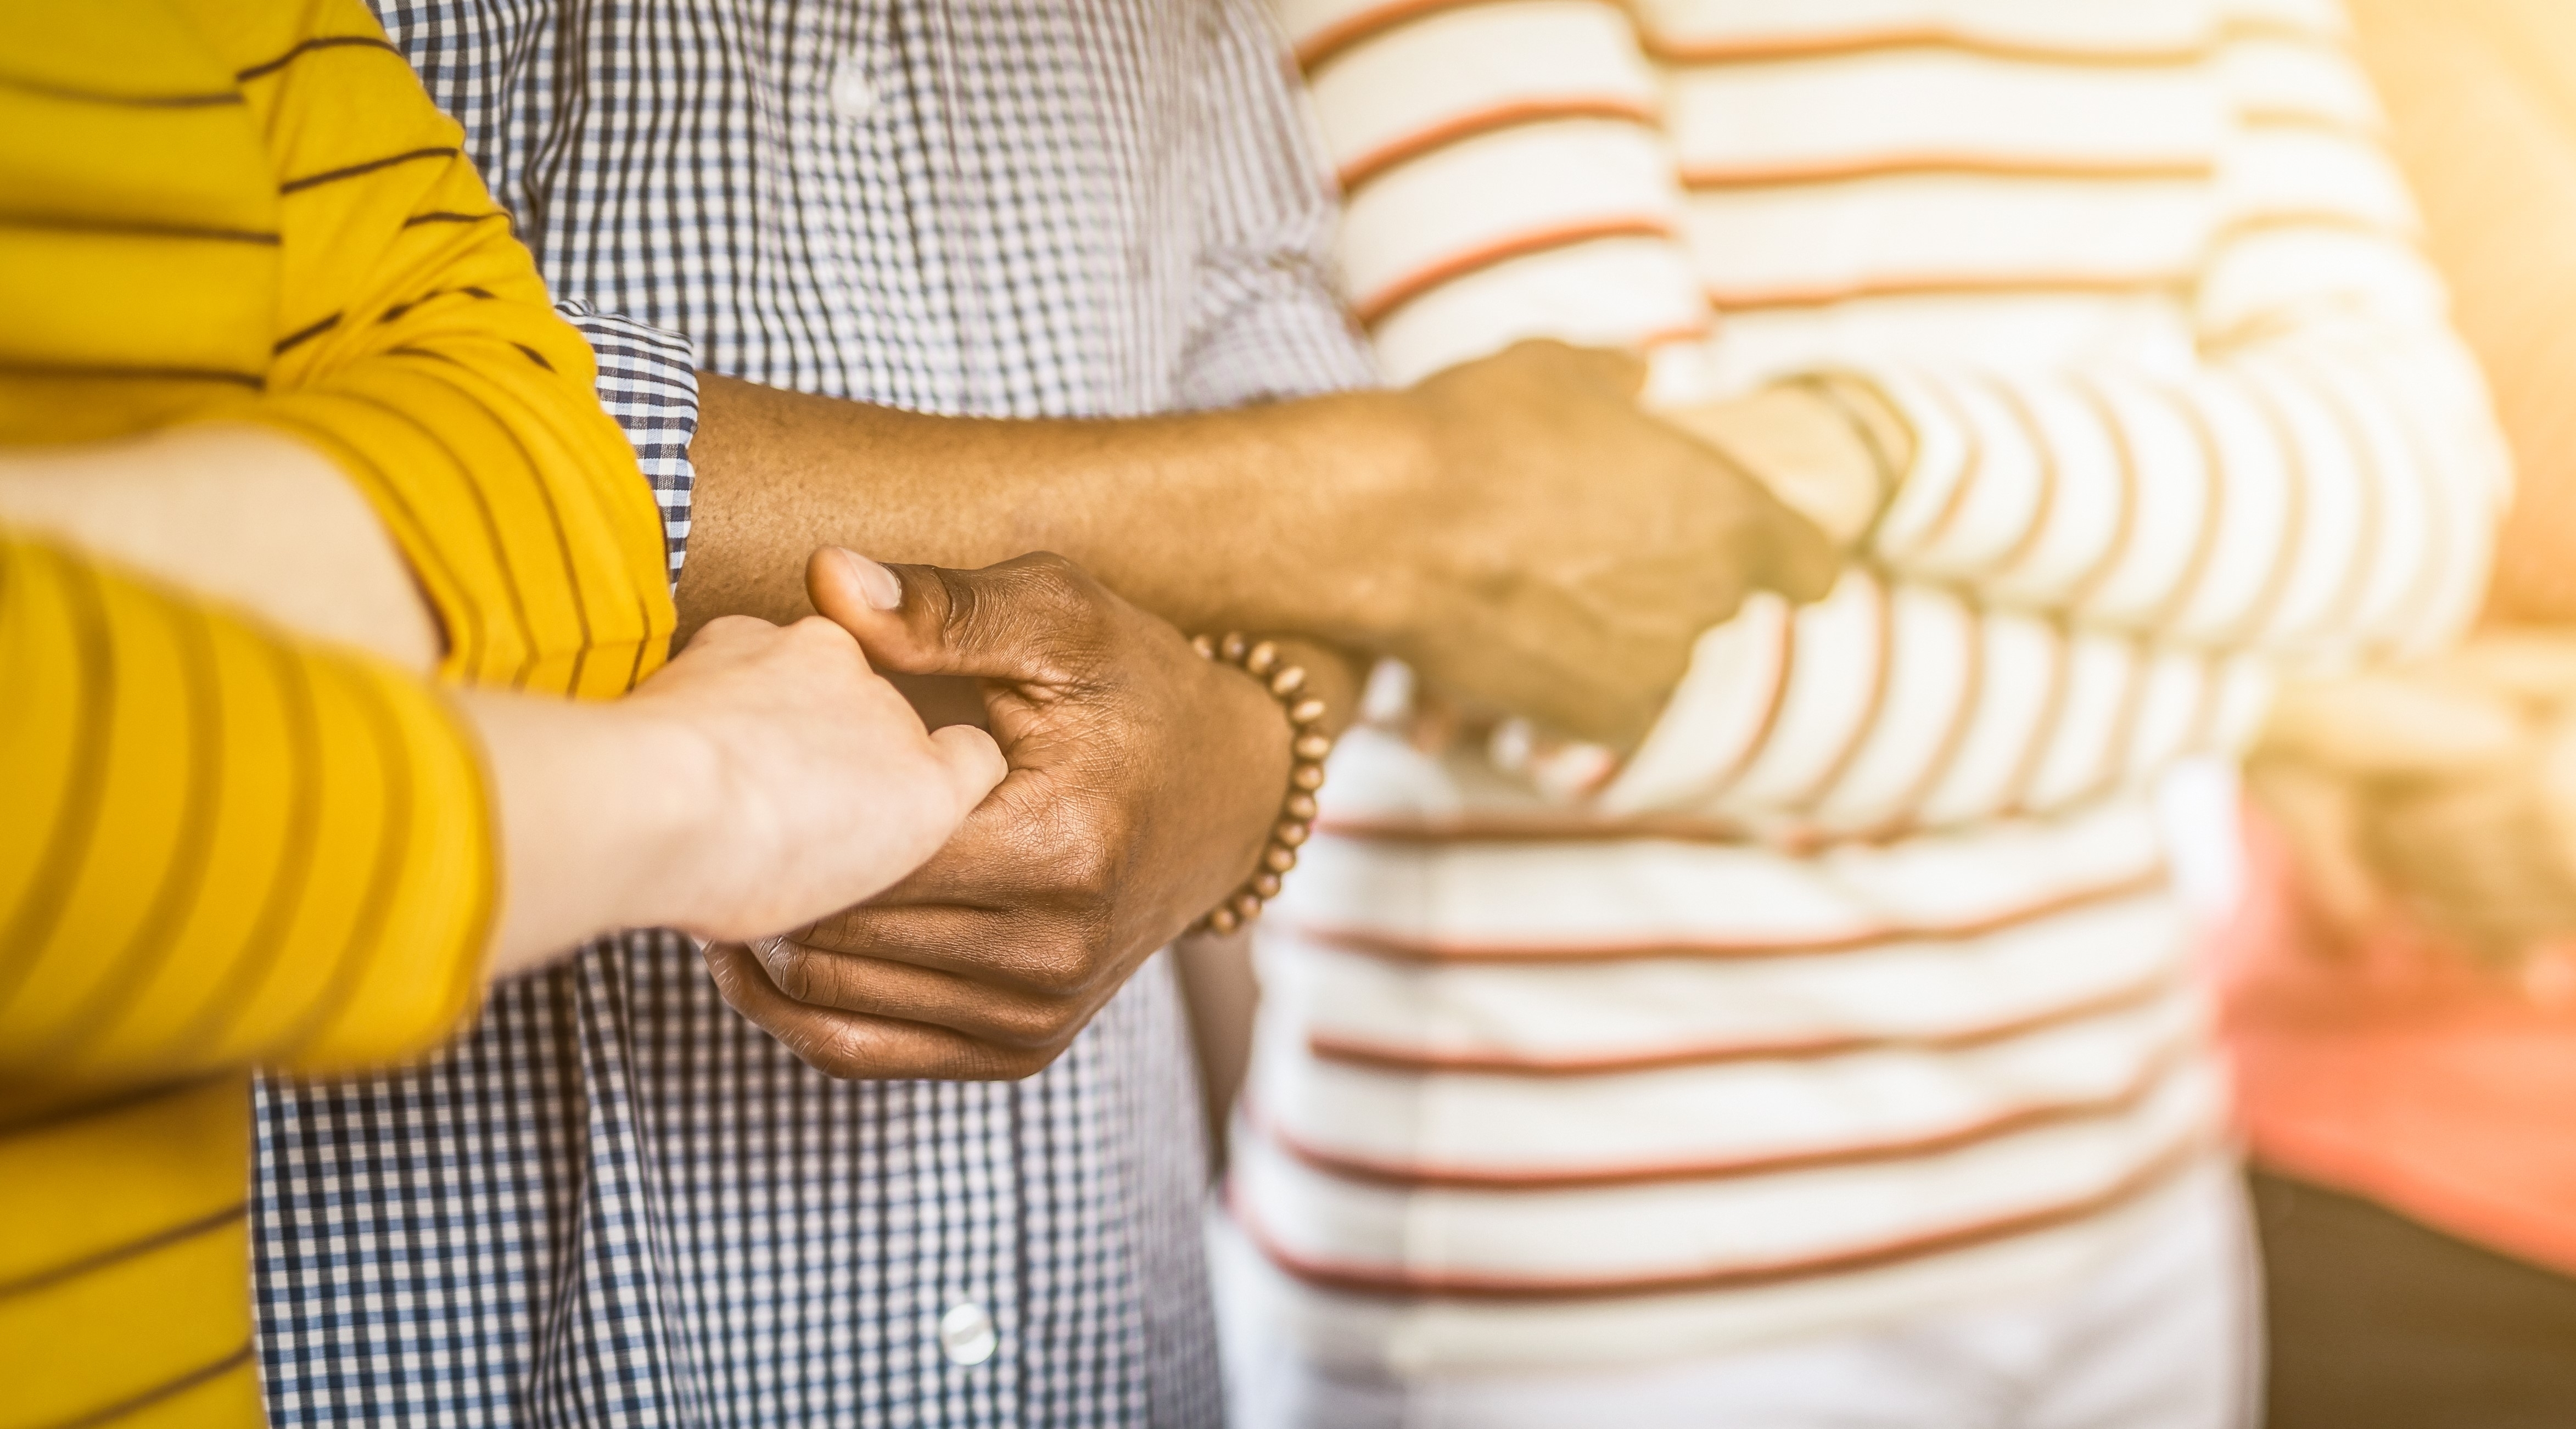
[(1616, 371), (854, 1045), (878, 987), (1799, 560), (971, 760), (1013, 621), (1035, 954)]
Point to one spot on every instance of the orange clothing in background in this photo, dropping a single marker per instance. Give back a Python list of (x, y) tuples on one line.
[(2392, 1071)]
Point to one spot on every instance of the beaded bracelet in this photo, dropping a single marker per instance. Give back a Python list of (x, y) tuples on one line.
[(1307, 747)]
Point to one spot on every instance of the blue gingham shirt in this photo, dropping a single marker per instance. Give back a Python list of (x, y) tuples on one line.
[(614, 1201)]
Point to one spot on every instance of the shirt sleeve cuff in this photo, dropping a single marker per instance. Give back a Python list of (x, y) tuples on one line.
[(648, 381)]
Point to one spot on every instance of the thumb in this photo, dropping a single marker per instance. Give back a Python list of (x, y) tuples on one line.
[(1798, 559), (1014, 621), (972, 762)]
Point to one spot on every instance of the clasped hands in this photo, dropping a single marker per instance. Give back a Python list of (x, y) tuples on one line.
[(1555, 553)]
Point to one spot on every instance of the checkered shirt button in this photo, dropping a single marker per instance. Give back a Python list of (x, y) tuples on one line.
[(967, 1335)]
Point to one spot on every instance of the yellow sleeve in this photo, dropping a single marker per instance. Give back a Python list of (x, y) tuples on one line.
[(416, 343), (224, 847)]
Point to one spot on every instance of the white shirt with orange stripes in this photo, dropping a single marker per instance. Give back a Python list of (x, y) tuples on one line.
[(1859, 987)]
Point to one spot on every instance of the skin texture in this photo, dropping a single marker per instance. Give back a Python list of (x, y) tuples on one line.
[(1119, 823)]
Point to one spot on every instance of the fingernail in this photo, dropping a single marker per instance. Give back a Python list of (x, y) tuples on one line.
[(877, 585)]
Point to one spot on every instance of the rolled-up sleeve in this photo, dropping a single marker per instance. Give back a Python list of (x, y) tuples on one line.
[(648, 381), (1269, 320)]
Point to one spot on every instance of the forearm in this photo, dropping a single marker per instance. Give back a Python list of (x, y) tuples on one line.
[(593, 805), (1213, 520), (241, 514)]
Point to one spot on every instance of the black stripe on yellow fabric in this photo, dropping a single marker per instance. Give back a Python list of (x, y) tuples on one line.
[(468, 642), (45, 90), (393, 850), (134, 966), (306, 47), (333, 176), (106, 1105), (76, 371), (534, 356), (440, 215), (177, 1385), (260, 947), (140, 1245), (133, 228), (24, 938), (398, 309), (518, 607), (305, 334), (644, 643)]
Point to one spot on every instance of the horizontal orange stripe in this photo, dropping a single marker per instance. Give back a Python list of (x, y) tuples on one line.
[(1487, 121), (1769, 48), (1426, 950), (1362, 1280), (1946, 285), (1387, 1058), (1333, 39), (2175, 168), (1416, 1175), (1377, 307)]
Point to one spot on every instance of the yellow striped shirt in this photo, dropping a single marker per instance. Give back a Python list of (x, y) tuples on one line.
[(224, 849)]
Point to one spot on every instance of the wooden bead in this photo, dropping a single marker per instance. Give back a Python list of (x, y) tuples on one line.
[(1221, 919), (1205, 645), (1232, 647), (1266, 883), (1288, 681), (1261, 657), (1312, 747), (1306, 711), (1278, 859), (1293, 832), (1307, 777), (1300, 805), (1247, 906)]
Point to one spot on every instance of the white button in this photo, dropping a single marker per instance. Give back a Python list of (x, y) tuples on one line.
[(852, 96), (967, 1334)]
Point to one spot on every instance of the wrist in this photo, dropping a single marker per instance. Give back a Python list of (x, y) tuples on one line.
[(588, 844), (1810, 446)]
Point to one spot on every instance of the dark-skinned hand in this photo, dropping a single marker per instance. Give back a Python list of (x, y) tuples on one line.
[(1571, 549), (1143, 783)]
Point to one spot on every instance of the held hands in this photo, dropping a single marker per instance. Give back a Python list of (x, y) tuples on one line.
[(1143, 781), (763, 777), (1570, 549)]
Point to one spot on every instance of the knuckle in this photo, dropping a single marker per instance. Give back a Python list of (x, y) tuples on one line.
[(790, 968)]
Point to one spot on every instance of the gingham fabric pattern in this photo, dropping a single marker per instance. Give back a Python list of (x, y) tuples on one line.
[(614, 1202), (648, 381)]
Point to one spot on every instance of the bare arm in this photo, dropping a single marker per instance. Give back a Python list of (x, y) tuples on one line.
[(1513, 527)]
